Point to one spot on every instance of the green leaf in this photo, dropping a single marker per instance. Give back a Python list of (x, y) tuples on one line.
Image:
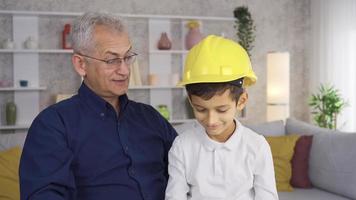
[(326, 104), (245, 27)]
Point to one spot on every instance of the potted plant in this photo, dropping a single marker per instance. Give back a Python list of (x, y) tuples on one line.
[(326, 105), (245, 28)]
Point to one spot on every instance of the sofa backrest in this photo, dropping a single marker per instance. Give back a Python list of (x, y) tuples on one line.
[(8, 140), (274, 128), (332, 163), (332, 160), (294, 126)]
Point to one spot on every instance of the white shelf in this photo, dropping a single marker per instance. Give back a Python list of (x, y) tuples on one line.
[(22, 88), (180, 121), (74, 14), (19, 127), (144, 87), (69, 51), (169, 51), (15, 127)]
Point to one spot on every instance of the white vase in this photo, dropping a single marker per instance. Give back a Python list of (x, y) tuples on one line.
[(8, 44), (31, 43)]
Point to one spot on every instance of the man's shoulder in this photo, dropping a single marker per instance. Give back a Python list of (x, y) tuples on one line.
[(70, 102), (139, 104), (141, 108), (68, 106)]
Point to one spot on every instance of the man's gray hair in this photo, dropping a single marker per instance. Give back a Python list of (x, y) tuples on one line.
[(83, 28)]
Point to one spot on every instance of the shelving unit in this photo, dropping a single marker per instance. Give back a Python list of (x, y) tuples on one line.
[(168, 51), (26, 61), (16, 127), (66, 51), (3, 89), (153, 87)]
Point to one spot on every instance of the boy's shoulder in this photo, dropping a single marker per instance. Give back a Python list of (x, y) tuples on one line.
[(189, 133), (252, 137)]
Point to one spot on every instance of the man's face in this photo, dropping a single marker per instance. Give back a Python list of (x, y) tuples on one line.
[(216, 115), (105, 80)]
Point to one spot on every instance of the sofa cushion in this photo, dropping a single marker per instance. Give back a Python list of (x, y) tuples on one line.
[(9, 178), (309, 194), (274, 128), (300, 162), (282, 148), (294, 126), (332, 163)]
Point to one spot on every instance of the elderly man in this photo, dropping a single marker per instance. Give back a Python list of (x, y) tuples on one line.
[(98, 144)]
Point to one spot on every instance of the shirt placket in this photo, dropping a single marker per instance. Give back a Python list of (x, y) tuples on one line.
[(218, 165)]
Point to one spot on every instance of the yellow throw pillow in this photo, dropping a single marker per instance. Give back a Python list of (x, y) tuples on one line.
[(282, 148), (9, 177)]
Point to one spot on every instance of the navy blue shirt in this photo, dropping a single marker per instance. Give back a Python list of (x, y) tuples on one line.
[(81, 149)]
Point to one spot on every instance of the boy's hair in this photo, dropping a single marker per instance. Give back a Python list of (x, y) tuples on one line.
[(207, 90)]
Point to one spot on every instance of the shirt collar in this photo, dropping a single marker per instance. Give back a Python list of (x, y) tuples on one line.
[(96, 102), (230, 144)]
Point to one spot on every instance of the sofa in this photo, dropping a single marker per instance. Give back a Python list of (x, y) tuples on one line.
[(332, 160)]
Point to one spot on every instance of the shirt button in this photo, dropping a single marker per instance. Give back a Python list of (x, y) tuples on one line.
[(102, 114), (126, 149)]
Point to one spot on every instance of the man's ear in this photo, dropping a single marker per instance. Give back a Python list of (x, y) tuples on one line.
[(242, 101), (79, 65)]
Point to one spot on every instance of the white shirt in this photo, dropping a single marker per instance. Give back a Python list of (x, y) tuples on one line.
[(203, 169)]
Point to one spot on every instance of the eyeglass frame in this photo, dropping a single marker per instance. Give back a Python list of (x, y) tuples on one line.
[(122, 59)]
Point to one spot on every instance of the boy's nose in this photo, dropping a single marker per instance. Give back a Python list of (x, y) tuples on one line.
[(211, 119)]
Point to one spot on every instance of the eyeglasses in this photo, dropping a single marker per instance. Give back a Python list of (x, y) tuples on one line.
[(115, 62)]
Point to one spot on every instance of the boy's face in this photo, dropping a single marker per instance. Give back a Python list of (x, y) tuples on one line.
[(217, 114)]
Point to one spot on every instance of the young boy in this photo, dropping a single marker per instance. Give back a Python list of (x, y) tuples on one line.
[(218, 158)]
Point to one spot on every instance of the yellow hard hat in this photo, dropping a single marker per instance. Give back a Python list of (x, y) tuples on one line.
[(217, 59)]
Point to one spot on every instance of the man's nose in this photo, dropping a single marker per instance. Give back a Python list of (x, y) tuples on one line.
[(123, 68)]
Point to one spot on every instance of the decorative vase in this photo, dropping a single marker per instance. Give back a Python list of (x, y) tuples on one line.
[(164, 43), (66, 43), (31, 43), (163, 110), (8, 44), (193, 36), (11, 113)]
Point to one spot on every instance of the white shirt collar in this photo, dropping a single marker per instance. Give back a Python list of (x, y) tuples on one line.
[(212, 145)]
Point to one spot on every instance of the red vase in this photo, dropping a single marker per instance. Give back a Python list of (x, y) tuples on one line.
[(193, 37), (66, 44)]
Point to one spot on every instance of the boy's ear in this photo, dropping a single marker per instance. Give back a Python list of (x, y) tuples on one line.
[(79, 65), (190, 101), (242, 101)]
